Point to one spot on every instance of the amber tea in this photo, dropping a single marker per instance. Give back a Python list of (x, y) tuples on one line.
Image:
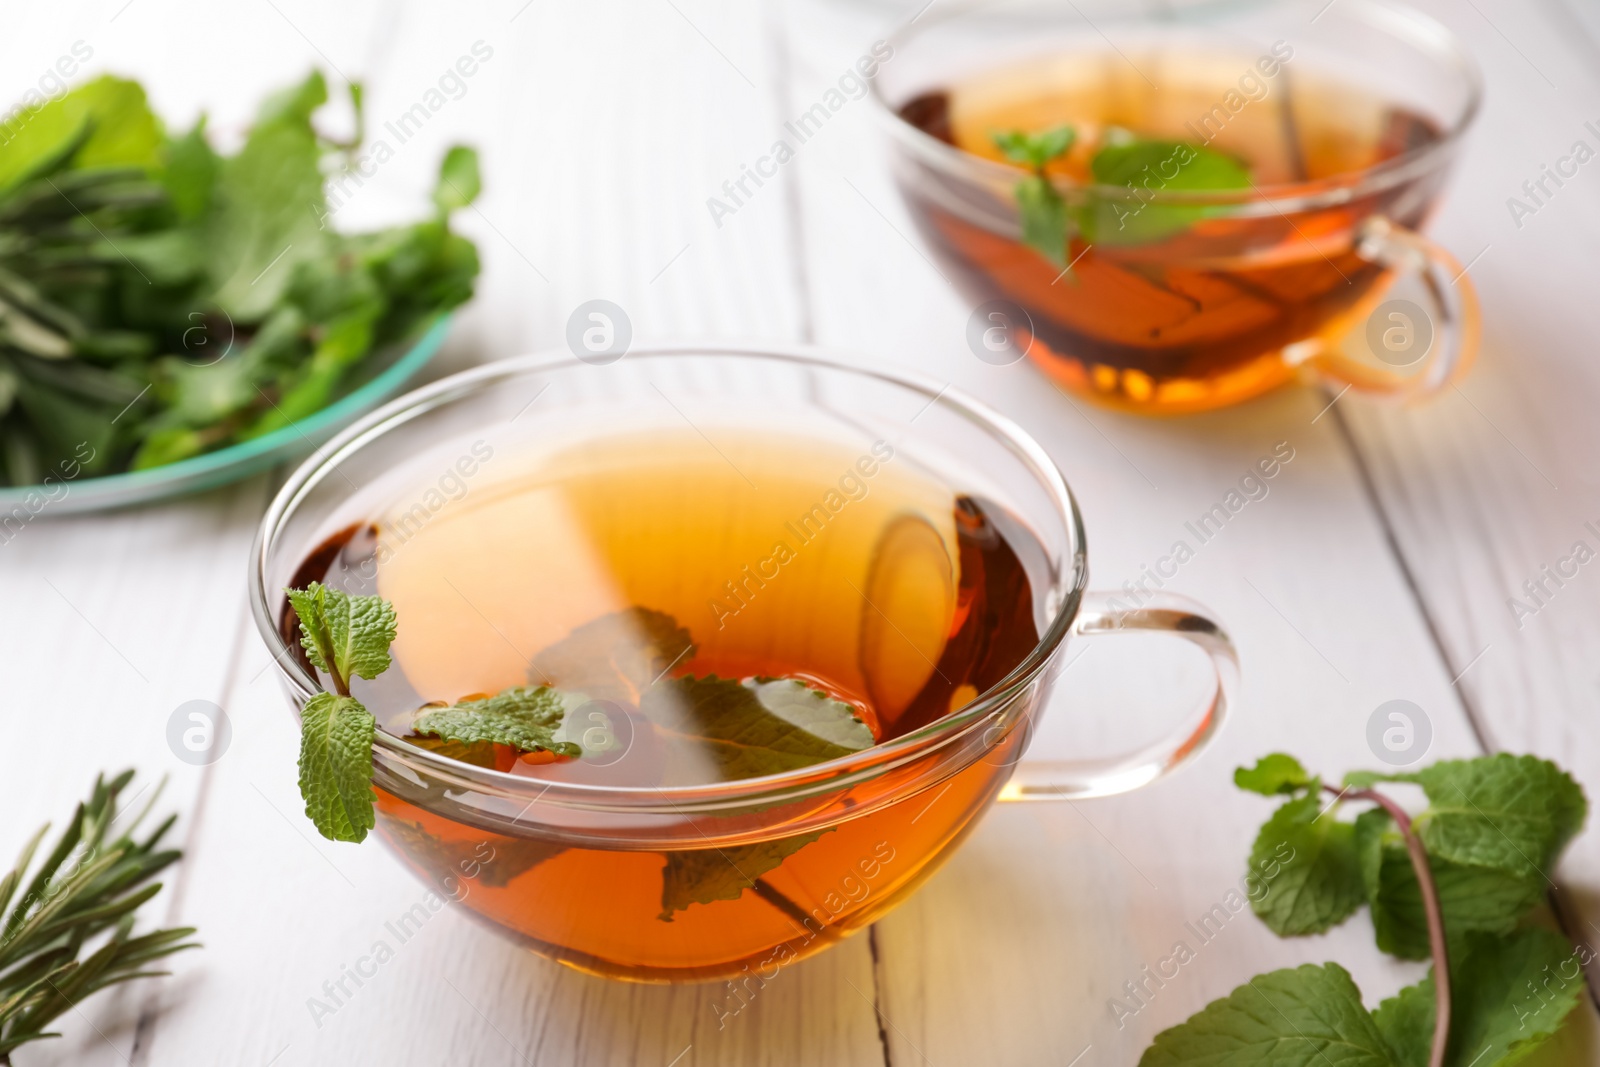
[(700, 614), (1155, 305)]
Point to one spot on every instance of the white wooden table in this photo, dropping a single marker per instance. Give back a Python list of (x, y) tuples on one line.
[(1379, 567)]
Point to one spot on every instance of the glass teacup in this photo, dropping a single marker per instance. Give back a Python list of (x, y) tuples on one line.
[(1170, 295), (799, 859)]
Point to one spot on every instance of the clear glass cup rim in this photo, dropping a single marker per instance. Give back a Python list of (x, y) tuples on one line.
[(1070, 583), (1396, 19)]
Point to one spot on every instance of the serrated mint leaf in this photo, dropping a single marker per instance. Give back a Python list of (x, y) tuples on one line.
[(316, 637), (616, 657), (1406, 1021), (491, 860), (1470, 898), (477, 753), (336, 735), (363, 630), (1035, 150), (1169, 165), (1508, 995), (1515, 813), (704, 876), (344, 635), (1485, 899), (1302, 1017), (524, 717), (1366, 779), (1371, 828), (1046, 220), (514, 856), (812, 711), (1146, 168), (268, 207), (755, 727), (1273, 775), (1317, 883)]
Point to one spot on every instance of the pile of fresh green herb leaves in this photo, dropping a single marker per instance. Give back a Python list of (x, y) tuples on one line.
[(82, 896), (1461, 882), (743, 728), (1144, 166), (159, 300)]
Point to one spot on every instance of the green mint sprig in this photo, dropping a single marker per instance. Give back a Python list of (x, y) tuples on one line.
[(344, 636), (745, 728), (348, 636), (1459, 882), (1145, 166), (1046, 220)]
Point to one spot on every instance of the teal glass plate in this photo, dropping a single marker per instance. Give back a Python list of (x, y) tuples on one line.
[(226, 464)]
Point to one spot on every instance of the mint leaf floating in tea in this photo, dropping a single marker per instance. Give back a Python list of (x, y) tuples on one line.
[(524, 717), (491, 860), (1295, 1016), (705, 876), (477, 753), (70, 932), (1046, 222), (344, 636), (744, 729), (758, 726), (1147, 169), (616, 657)]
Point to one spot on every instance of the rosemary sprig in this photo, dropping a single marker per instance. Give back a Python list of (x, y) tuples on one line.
[(91, 882)]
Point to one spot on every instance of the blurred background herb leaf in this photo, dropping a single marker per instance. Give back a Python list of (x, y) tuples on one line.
[(159, 300)]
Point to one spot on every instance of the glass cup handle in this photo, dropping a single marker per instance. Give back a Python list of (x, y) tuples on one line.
[(1455, 317), (1163, 613)]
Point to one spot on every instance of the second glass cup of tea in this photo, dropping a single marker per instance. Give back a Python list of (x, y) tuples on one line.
[(1169, 296), (707, 512)]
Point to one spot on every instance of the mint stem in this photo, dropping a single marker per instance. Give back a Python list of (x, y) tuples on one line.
[(1430, 907)]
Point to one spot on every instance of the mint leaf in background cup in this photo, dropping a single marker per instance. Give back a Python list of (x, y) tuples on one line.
[(1146, 168)]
